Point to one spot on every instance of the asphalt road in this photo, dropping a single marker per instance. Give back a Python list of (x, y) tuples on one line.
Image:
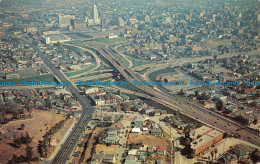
[(70, 144), (185, 107)]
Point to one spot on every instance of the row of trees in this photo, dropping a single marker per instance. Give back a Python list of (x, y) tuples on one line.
[(44, 145)]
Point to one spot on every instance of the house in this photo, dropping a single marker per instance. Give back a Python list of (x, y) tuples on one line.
[(132, 152), (102, 158), (112, 133), (97, 157), (160, 150), (189, 93), (142, 157), (139, 121), (109, 158), (150, 149), (136, 130), (111, 140), (157, 112), (238, 153), (156, 132), (149, 112), (163, 111), (248, 119), (131, 159)]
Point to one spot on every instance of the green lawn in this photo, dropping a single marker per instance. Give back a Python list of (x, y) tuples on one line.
[(74, 42), (153, 75), (137, 63), (121, 49), (83, 35), (78, 50), (74, 73), (101, 67), (32, 78), (122, 59)]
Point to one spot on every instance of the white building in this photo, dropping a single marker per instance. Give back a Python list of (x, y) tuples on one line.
[(136, 130), (95, 15)]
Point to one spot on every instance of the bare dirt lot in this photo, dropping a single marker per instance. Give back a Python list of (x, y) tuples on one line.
[(149, 140), (36, 127), (220, 69), (101, 148)]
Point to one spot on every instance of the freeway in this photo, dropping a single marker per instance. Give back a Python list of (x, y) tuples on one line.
[(69, 145), (194, 111)]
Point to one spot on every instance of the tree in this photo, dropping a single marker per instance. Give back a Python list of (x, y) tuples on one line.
[(17, 142), (215, 57), (212, 154), (187, 141), (29, 153), (181, 92), (29, 109), (216, 151), (219, 105), (27, 138), (22, 127)]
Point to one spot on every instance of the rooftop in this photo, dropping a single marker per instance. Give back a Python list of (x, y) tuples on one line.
[(199, 131), (204, 139)]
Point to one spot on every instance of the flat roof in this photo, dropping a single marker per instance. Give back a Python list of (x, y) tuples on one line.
[(204, 139), (199, 131)]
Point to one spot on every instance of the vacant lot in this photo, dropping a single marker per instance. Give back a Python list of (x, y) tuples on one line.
[(220, 69), (27, 73), (149, 140), (101, 148), (91, 143), (37, 126)]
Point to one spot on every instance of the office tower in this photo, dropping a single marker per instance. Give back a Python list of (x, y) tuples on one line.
[(95, 15), (147, 19), (64, 20)]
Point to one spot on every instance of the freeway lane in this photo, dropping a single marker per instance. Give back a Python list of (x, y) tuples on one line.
[(71, 142), (196, 112)]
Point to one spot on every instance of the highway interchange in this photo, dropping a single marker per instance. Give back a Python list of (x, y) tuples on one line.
[(183, 106), (176, 103)]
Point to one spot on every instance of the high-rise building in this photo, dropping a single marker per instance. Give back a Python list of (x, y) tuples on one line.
[(95, 15), (79, 24), (120, 22), (64, 20), (147, 19)]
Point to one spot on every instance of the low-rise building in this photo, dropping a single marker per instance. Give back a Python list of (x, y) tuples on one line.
[(156, 132), (111, 140), (199, 132), (160, 150), (203, 143)]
